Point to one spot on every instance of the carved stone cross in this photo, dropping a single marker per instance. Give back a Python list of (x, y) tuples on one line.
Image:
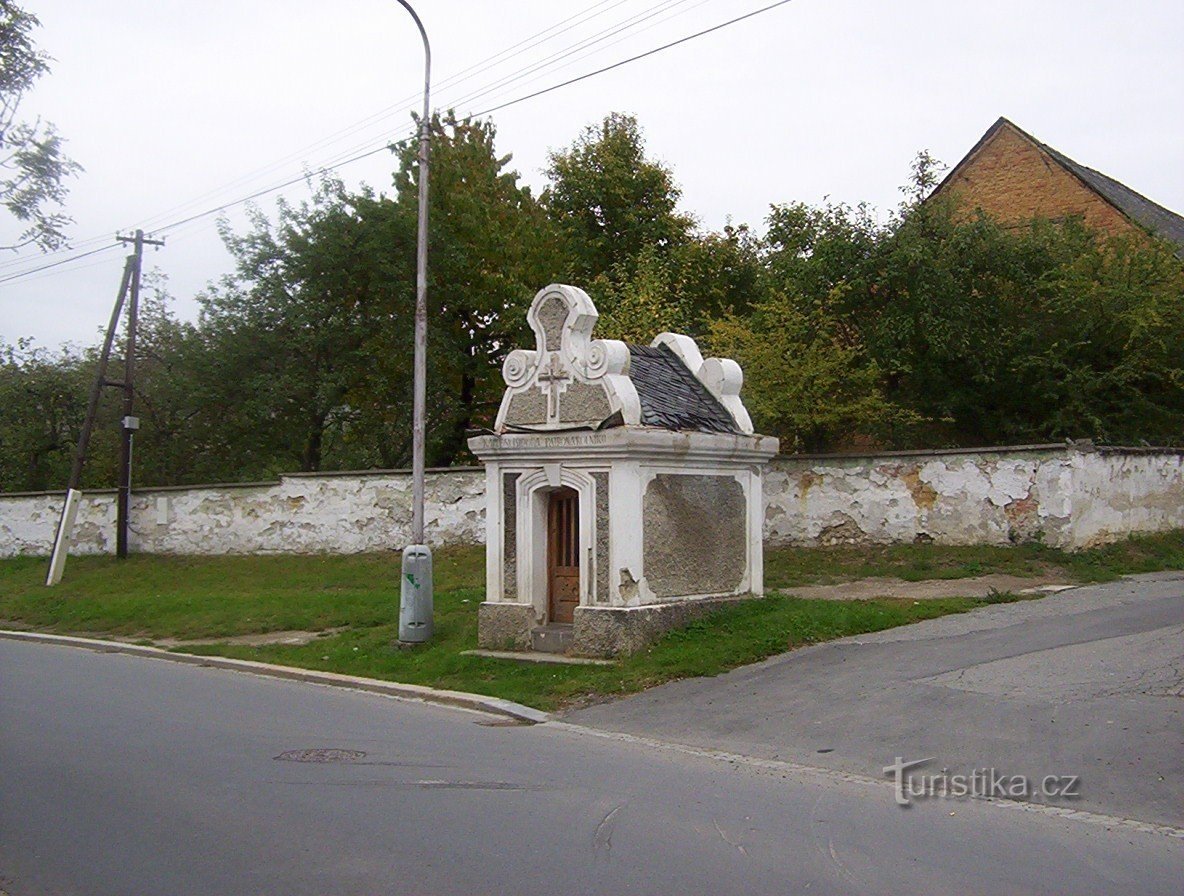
[(553, 376)]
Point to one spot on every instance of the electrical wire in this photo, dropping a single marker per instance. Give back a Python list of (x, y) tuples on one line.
[(616, 65), (54, 264), (337, 164), (477, 68)]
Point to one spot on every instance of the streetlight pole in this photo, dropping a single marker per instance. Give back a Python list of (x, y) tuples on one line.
[(416, 581)]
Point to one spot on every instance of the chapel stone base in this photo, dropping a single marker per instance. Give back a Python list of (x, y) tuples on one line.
[(504, 626), (603, 632)]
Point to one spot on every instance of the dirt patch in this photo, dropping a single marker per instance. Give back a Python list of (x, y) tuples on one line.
[(290, 638), (980, 586)]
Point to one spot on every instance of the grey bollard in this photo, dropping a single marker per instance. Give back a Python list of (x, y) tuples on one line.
[(415, 599)]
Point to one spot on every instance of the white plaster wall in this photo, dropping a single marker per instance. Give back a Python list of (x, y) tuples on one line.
[(300, 514), (1069, 497), (1115, 495)]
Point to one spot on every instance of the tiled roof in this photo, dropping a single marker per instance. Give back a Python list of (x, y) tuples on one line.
[(1152, 216), (1162, 222), (671, 396)]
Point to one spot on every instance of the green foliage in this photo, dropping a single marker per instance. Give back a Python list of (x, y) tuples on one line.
[(492, 248), (928, 327), (807, 380), (32, 163), (611, 202), (642, 302), (937, 329), (42, 403), (287, 331)]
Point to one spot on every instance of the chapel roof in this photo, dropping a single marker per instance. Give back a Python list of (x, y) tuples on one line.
[(671, 396), (571, 381)]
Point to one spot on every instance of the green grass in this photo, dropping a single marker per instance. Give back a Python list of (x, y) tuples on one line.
[(189, 597), (789, 567)]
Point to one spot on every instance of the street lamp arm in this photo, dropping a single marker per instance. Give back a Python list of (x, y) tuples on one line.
[(427, 54)]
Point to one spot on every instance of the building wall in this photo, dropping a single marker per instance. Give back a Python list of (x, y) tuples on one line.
[(1013, 180), (1069, 497)]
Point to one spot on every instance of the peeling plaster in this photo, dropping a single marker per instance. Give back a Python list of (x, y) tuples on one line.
[(1070, 498)]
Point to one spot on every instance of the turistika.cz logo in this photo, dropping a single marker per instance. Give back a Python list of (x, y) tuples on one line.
[(981, 783)]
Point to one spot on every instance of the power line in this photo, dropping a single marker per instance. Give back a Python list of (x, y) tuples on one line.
[(582, 17), (615, 65), (366, 149), (568, 63), (54, 264), (386, 146), (599, 37)]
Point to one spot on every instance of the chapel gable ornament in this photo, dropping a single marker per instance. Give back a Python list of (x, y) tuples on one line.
[(623, 488), (572, 381)]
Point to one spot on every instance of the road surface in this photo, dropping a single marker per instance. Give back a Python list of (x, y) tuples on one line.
[(125, 775), (1086, 683)]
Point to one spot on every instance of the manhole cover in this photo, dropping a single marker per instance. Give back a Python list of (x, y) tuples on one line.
[(329, 755)]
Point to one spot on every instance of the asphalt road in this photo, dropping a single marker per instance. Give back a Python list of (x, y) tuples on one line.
[(1086, 683), (125, 775)]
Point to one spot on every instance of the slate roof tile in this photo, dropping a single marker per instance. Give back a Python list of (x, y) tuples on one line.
[(671, 396)]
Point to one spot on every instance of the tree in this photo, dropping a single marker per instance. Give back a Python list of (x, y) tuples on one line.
[(309, 345), (33, 165), (492, 247), (42, 403), (611, 202), (978, 334), (807, 378), (287, 332)]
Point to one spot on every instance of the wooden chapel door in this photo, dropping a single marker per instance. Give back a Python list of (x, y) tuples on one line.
[(563, 554)]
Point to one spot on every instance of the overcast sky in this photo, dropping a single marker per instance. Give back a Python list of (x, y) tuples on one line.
[(175, 108)]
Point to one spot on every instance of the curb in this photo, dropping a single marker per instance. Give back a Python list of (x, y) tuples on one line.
[(494, 705)]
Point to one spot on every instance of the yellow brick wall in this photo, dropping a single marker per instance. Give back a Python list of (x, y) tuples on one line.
[(1013, 180)]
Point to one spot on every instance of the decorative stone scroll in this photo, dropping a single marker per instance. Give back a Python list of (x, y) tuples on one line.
[(570, 380), (722, 376)]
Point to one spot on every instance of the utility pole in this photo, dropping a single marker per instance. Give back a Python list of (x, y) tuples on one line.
[(61, 541), (128, 285), (415, 604), (129, 423)]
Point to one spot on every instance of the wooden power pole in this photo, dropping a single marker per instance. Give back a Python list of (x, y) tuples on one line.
[(128, 286), (129, 422)]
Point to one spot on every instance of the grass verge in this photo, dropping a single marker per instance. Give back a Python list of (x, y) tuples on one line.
[(191, 597), (789, 567)]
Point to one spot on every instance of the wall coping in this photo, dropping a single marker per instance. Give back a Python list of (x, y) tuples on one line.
[(265, 483), (936, 452), (399, 471)]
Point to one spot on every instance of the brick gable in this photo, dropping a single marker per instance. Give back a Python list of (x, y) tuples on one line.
[(1013, 179)]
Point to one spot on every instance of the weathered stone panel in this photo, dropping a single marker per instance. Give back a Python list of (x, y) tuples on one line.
[(552, 316), (527, 408), (509, 535), (505, 626), (584, 403), (605, 632), (602, 536), (694, 532)]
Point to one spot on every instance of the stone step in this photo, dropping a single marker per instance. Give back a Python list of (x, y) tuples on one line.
[(553, 638)]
